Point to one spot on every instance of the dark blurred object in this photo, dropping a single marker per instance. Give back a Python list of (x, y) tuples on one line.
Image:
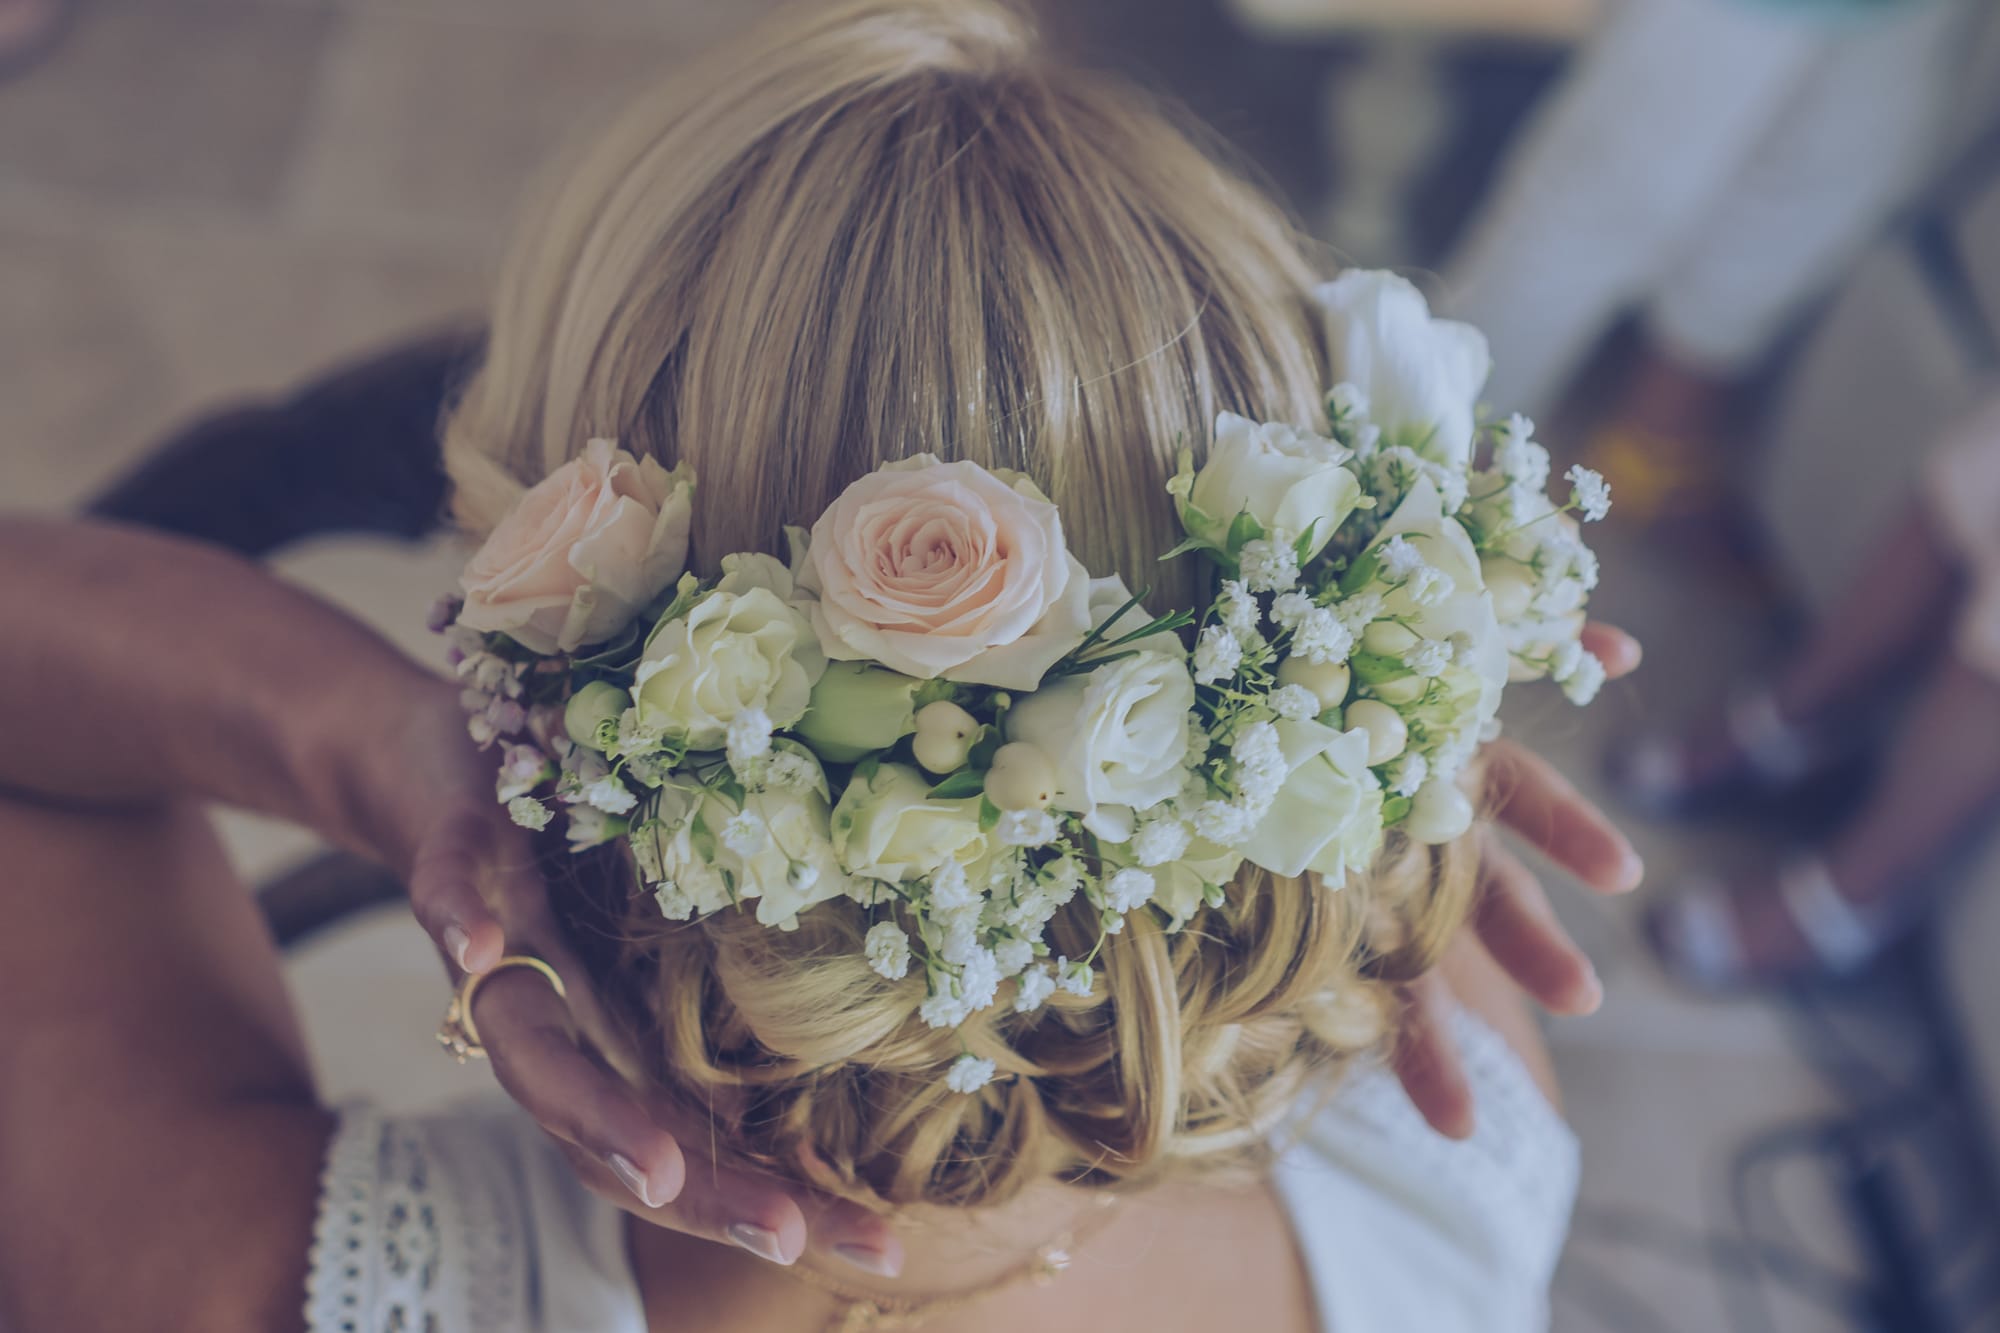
[(354, 451), (29, 30)]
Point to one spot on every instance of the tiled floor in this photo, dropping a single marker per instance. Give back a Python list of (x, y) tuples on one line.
[(205, 198)]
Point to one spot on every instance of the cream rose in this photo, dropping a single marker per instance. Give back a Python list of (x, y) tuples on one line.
[(1327, 817), (946, 569), (1288, 480), (1117, 737), (885, 826), (582, 552), (731, 652), (1421, 375)]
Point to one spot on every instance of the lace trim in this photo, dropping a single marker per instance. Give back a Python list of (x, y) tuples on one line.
[(1514, 1181), (339, 1287)]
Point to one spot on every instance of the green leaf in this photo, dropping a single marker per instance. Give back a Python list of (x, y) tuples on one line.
[(1372, 668), (1243, 529), (1304, 547), (959, 786), (701, 839), (989, 814), (1361, 573), (1191, 544)]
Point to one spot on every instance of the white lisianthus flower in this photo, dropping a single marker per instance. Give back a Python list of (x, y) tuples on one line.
[(1284, 478), (1184, 883), (590, 827), (968, 1073), (723, 854), (1421, 376), (888, 950), (1117, 736), (731, 652), (1472, 670), (1327, 815), (886, 827)]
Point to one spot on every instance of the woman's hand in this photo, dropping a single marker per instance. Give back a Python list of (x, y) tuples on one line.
[(1512, 917), (476, 889)]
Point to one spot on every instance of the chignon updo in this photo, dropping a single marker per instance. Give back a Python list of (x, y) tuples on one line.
[(888, 227)]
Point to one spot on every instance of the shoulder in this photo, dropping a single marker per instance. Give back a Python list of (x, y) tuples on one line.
[(469, 1219), (1401, 1227)]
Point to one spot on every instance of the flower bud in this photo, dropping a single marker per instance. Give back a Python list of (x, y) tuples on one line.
[(1439, 812), (1388, 639), (1511, 584), (857, 709), (1328, 681), (1388, 734), (1021, 778), (945, 734), (591, 716)]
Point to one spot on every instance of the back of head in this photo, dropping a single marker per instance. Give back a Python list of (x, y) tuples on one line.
[(893, 227)]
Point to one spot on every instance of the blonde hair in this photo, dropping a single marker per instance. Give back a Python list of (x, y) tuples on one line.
[(890, 227)]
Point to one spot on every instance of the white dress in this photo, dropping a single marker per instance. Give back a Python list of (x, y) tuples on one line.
[(473, 1220)]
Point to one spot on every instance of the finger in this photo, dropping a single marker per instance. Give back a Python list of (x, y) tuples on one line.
[(1427, 1062), (1618, 652), (1519, 928), (444, 891), (740, 1208), (526, 1029), (1529, 796)]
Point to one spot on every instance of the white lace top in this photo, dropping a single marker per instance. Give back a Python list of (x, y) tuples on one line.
[(473, 1220)]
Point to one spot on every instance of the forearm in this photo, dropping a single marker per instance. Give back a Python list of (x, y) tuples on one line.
[(137, 668)]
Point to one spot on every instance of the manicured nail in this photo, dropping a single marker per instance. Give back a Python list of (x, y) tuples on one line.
[(1593, 993), (1632, 871), (869, 1260), (760, 1241), (457, 941), (633, 1179)]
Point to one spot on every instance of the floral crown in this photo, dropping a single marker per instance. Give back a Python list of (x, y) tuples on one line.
[(935, 711)]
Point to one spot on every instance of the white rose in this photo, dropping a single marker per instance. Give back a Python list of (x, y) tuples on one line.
[(787, 868), (1117, 737), (1465, 615), (1327, 817), (1421, 376), (582, 551), (946, 569), (1181, 885), (1288, 480), (885, 826), (729, 653)]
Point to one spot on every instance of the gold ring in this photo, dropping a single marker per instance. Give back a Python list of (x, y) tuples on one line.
[(458, 1034)]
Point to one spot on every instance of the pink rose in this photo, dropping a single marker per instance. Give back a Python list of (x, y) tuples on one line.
[(582, 552), (945, 569)]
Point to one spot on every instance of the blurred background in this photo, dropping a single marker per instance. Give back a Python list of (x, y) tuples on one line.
[(1741, 255)]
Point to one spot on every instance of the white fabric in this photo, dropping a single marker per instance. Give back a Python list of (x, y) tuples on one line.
[(473, 1221), (1714, 162)]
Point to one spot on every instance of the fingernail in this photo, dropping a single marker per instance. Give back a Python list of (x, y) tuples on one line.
[(1593, 992), (1632, 871), (457, 941), (760, 1241), (633, 1179), (869, 1260)]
